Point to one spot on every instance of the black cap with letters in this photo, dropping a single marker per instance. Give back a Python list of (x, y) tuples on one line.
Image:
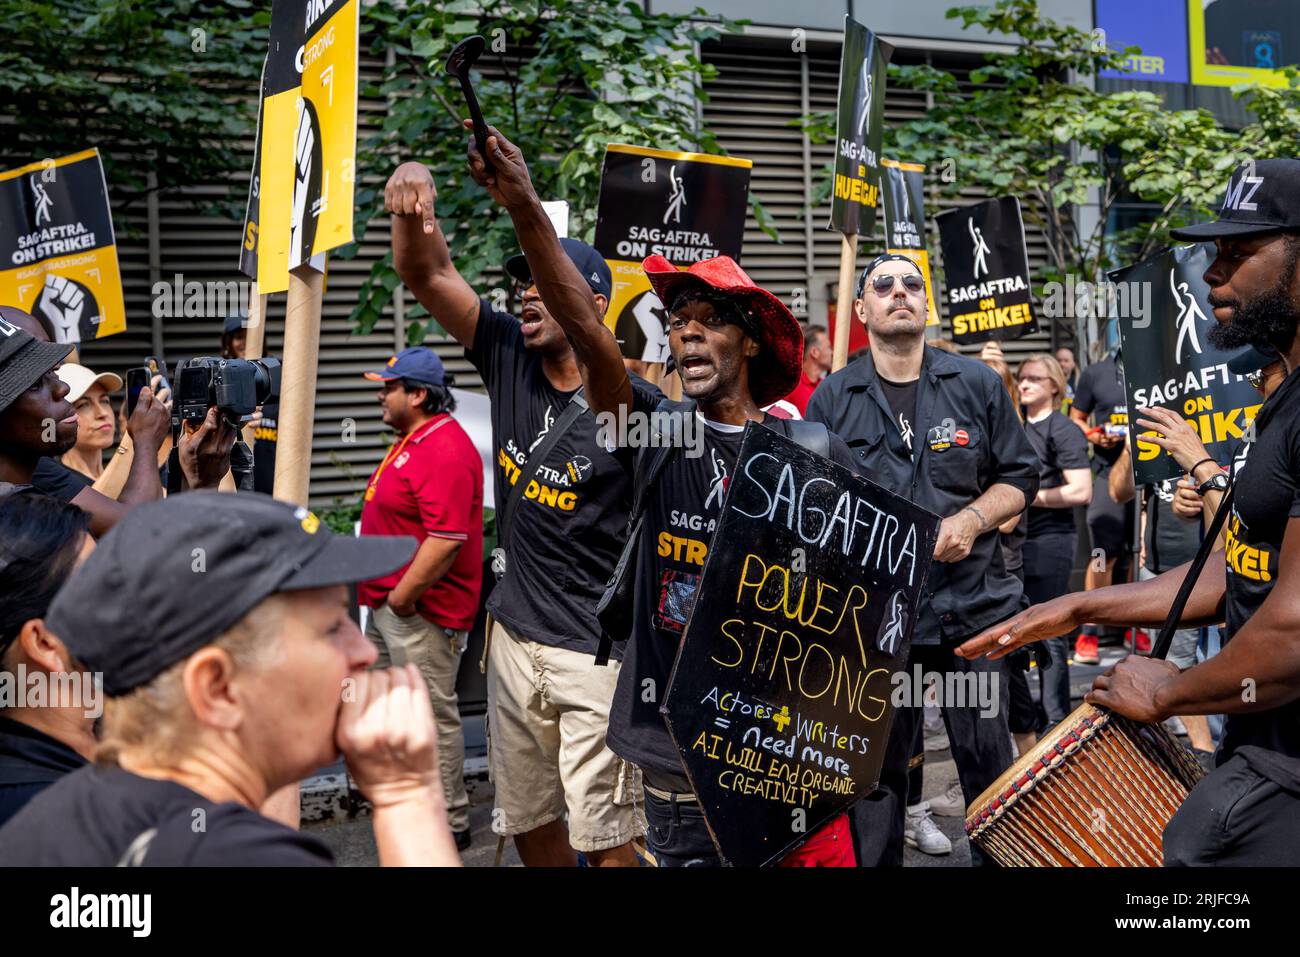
[(1263, 196), (175, 574)]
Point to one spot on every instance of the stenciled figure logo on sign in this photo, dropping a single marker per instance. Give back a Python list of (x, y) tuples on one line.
[(41, 202), (1189, 313), (980, 249), (677, 199), (864, 111)]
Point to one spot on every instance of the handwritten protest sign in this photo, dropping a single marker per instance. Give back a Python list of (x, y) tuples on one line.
[(779, 700)]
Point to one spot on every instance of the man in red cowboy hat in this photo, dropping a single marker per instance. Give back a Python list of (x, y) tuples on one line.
[(737, 348)]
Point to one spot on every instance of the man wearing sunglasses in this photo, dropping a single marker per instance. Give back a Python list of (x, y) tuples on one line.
[(940, 430)]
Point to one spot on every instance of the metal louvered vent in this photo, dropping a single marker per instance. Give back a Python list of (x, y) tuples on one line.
[(760, 89)]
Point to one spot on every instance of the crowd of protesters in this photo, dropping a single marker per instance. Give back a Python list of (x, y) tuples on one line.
[(201, 656)]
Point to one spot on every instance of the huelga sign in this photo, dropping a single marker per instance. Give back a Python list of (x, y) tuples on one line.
[(859, 121), (986, 271), (1170, 362), (903, 186)]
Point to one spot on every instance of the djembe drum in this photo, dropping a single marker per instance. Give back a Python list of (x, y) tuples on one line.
[(1096, 792)]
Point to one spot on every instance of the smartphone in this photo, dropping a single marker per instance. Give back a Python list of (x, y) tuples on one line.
[(156, 367), (137, 378)]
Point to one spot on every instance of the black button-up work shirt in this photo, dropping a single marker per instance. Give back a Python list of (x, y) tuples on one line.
[(967, 438)]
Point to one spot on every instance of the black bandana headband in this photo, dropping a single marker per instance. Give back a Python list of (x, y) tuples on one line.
[(880, 260)]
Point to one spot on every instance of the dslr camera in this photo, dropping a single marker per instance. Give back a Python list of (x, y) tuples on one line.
[(235, 386)]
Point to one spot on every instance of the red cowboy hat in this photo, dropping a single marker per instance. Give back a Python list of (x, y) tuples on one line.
[(774, 372)]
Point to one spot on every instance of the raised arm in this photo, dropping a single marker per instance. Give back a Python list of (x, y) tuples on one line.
[(421, 257), (567, 296)]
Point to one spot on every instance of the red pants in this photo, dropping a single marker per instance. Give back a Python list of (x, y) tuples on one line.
[(832, 846)]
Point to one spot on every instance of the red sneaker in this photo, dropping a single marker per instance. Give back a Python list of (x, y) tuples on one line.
[(1139, 639), (1085, 650)]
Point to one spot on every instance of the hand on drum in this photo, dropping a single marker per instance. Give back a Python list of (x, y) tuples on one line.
[(1130, 687), (1051, 618)]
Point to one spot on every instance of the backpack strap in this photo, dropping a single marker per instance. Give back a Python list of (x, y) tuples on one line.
[(648, 465), (575, 407), (813, 436)]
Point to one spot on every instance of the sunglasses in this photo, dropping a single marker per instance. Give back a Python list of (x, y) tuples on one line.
[(1036, 379), (884, 285)]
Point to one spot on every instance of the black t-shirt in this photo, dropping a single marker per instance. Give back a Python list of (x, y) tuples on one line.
[(1170, 541), (1101, 395), (1267, 496), (90, 818), (569, 530), (265, 438), (1059, 445), (30, 761), (57, 480), (902, 400), (681, 515)]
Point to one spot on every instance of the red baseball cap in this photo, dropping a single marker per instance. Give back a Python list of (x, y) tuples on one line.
[(774, 372)]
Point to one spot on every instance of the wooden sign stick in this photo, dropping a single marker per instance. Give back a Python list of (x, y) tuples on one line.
[(844, 301), (255, 338), (298, 384)]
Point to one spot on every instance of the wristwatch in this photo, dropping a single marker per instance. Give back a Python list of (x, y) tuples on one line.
[(1217, 483)]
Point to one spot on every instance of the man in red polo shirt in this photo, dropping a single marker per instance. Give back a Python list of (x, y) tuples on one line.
[(429, 486), (817, 353)]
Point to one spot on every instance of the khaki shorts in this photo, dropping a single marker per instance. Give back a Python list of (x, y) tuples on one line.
[(548, 712)]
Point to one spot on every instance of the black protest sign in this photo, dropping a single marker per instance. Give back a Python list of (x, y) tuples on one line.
[(1169, 360), (686, 207), (986, 271), (248, 248), (903, 185), (58, 253), (859, 121), (780, 697)]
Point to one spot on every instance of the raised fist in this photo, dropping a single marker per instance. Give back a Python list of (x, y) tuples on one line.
[(62, 303)]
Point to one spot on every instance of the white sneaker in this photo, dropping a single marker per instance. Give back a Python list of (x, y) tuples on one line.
[(920, 831), (937, 740), (951, 803)]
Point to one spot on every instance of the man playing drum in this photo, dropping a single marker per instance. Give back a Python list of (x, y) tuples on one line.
[(1247, 811)]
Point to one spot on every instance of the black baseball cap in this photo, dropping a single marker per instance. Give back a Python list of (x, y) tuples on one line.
[(590, 263), (1262, 197), (24, 360), (147, 597), (234, 322)]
